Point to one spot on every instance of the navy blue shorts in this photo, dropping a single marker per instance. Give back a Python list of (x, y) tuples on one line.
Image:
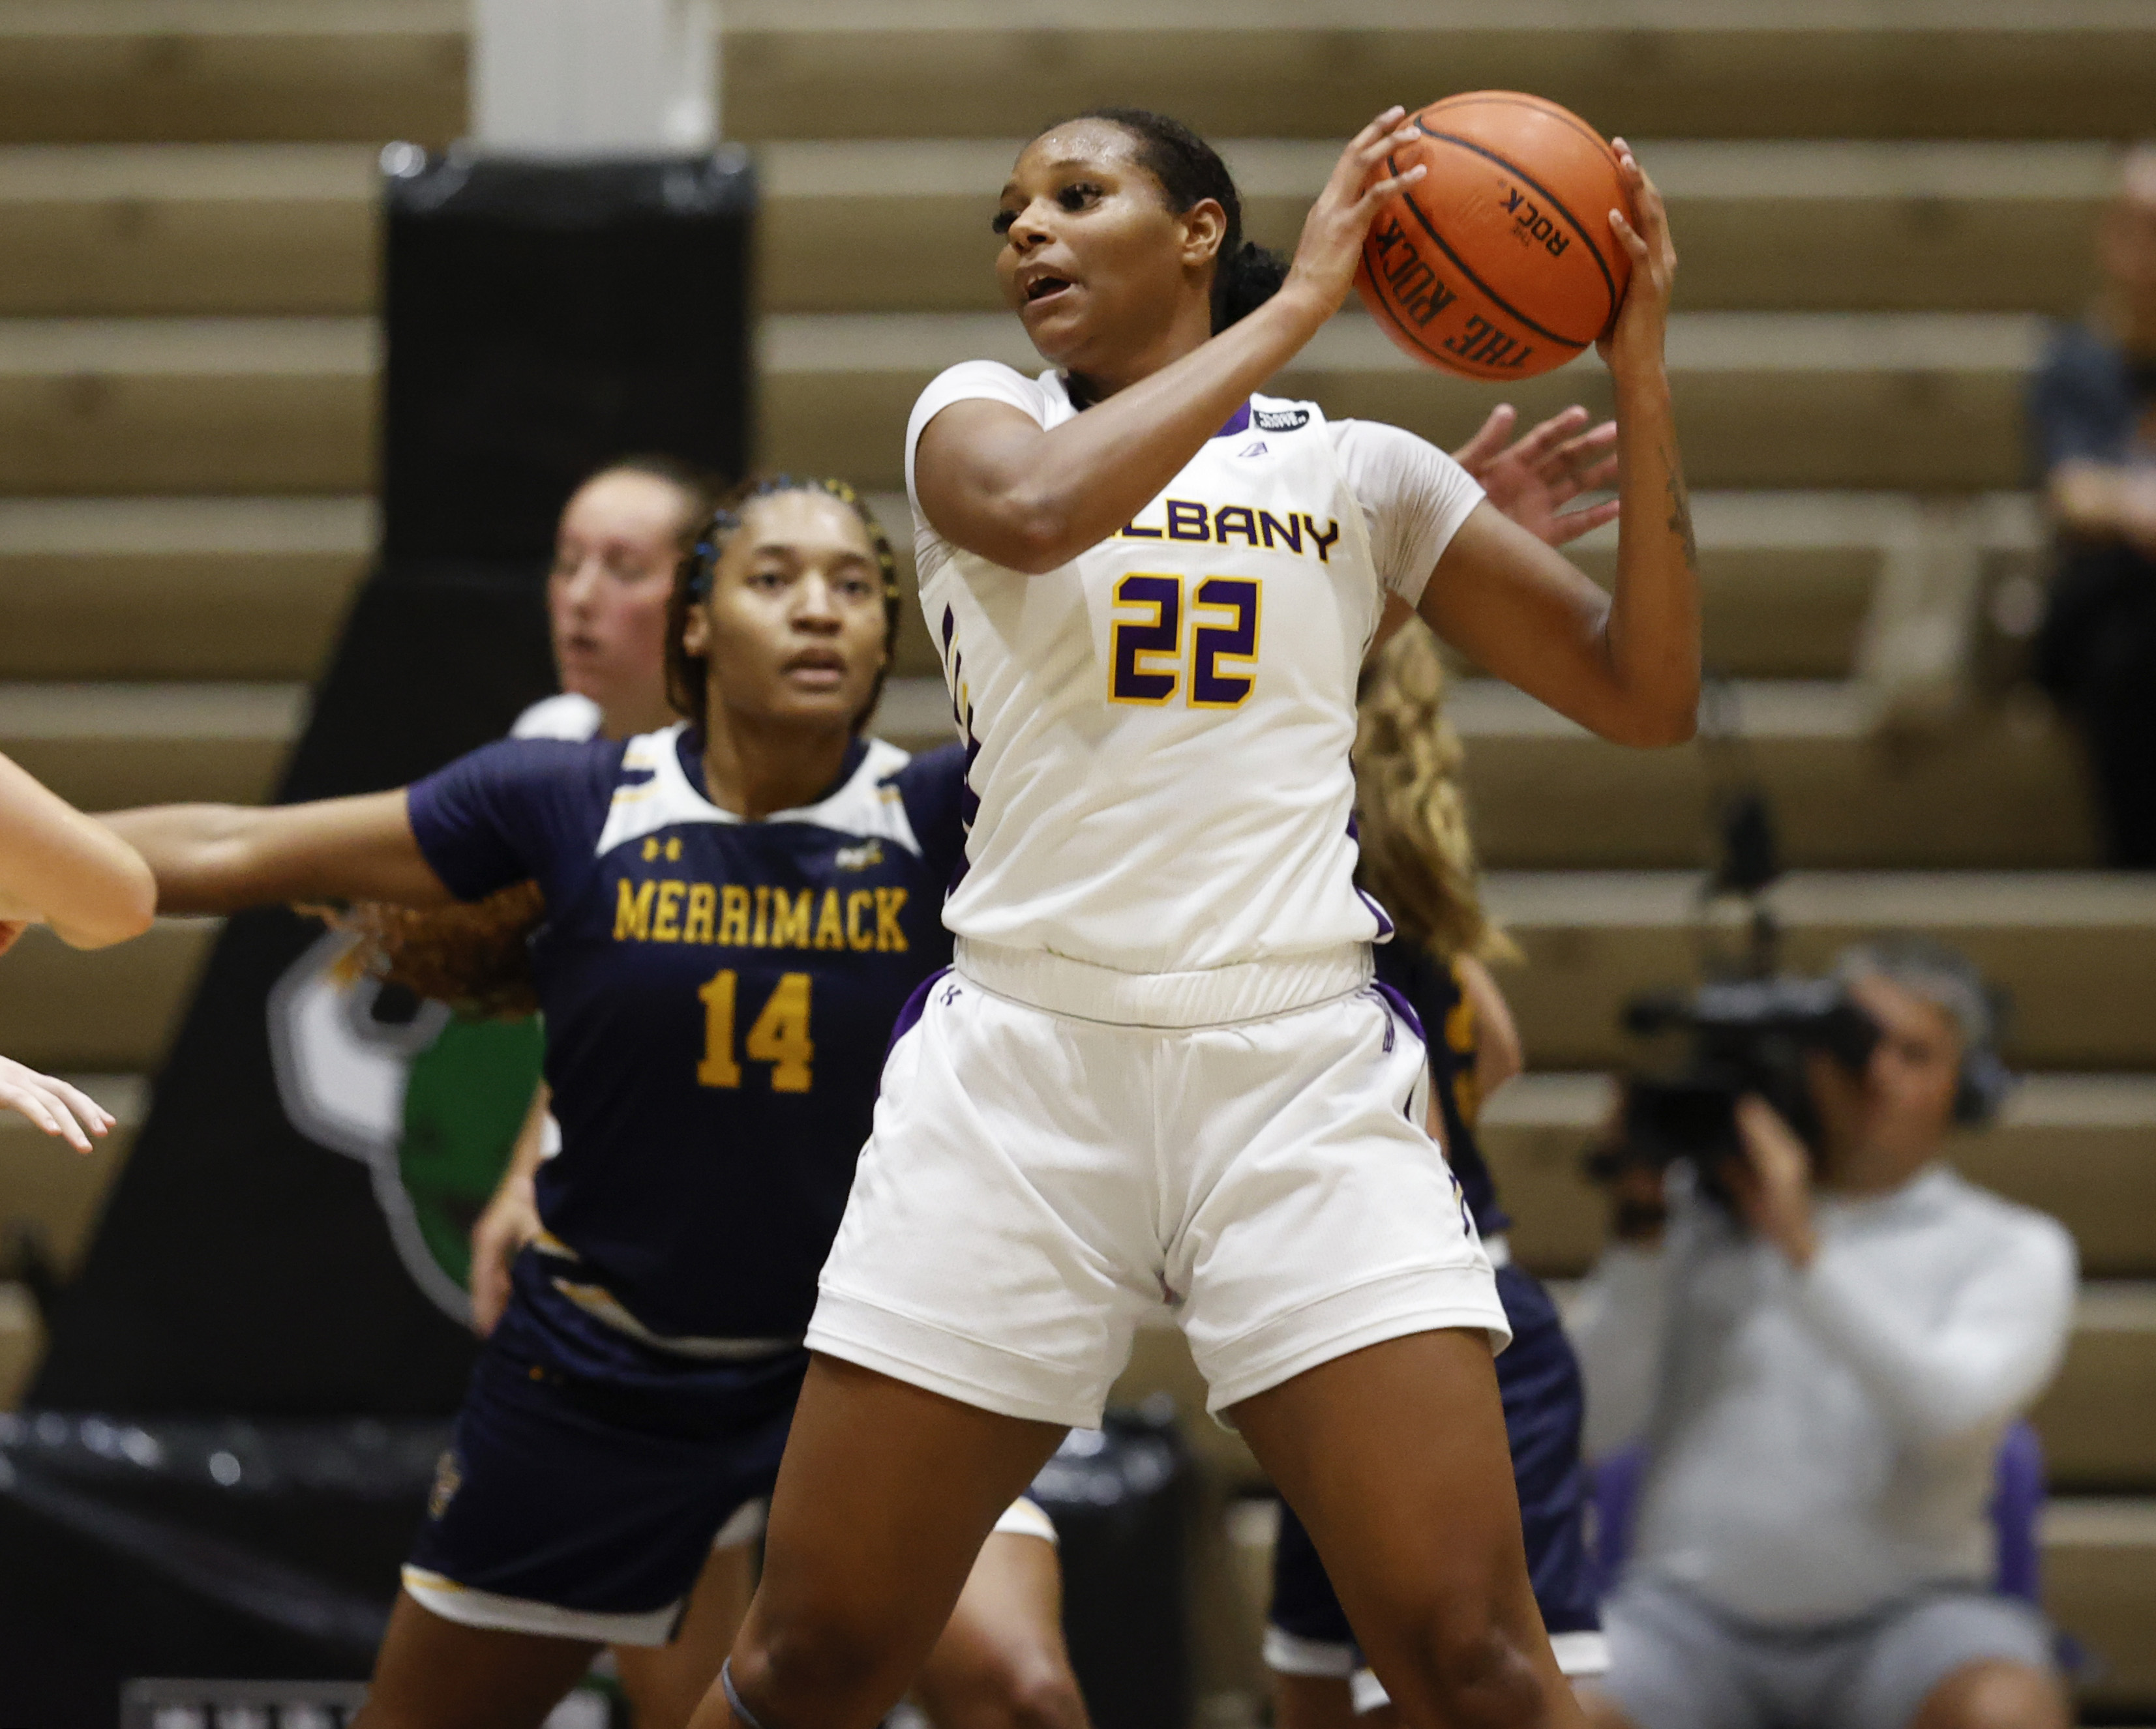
[(1538, 1379), (585, 1508)]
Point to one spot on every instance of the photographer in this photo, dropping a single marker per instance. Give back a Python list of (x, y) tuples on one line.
[(1822, 1365)]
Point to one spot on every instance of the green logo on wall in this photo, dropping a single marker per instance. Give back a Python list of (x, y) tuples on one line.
[(429, 1103)]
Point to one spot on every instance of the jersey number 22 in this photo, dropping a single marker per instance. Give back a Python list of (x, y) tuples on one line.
[(1145, 654)]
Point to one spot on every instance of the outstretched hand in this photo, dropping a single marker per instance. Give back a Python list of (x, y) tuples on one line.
[(1332, 234), (55, 1106), (1530, 479)]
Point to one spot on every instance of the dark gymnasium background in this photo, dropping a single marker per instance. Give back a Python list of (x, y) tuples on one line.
[(293, 383)]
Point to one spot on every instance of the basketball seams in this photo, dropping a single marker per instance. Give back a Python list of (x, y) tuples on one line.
[(1534, 105), (1575, 344), (1586, 239)]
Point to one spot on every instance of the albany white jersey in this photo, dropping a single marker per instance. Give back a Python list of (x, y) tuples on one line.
[(1159, 732)]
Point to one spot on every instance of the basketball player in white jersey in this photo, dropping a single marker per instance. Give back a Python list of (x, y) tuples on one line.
[(1157, 1075)]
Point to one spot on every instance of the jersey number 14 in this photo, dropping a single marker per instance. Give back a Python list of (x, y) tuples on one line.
[(779, 1036)]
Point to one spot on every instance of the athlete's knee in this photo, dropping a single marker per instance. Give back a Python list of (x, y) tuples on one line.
[(1021, 1688), (1042, 1695), (1473, 1670), (810, 1670)]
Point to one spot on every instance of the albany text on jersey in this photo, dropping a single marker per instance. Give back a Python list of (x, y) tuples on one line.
[(1158, 733)]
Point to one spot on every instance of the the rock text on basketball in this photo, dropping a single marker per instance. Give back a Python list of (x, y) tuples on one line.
[(1416, 290), (1530, 226)]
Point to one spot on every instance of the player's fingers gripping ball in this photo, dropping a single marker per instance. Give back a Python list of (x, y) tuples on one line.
[(1500, 263)]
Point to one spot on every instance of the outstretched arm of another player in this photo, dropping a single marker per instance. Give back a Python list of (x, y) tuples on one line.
[(1534, 477), (1624, 665), (55, 1106), (220, 858), (1531, 480), (60, 867)]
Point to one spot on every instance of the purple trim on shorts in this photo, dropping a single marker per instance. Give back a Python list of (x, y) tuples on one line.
[(1239, 421), (917, 1005), (1405, 1010), (1386, 929), (1401, 1006)]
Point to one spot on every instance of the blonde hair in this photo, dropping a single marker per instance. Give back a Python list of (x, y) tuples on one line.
[(1411, 818)]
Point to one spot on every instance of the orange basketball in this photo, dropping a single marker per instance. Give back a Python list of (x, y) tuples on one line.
[(1500, 262)]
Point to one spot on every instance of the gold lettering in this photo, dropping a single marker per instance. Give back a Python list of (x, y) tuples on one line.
[(733, 916), (889, 934), (762, 908), (831, 922), (792, 917), (666, 926), (859, 901), (703, 903), (632, 912)]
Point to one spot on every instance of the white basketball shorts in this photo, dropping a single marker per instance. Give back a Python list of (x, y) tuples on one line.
[(1034, 1185)]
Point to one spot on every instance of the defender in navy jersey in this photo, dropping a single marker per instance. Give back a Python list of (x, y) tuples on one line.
[(734, 908), (682, 943)]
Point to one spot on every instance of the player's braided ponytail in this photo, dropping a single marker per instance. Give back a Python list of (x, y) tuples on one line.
[(1411, 820), (1245, 275)]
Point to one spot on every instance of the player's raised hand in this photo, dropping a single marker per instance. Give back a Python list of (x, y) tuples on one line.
[(1331, 244), (59, 1108), (1635, 335), (1531, 479)]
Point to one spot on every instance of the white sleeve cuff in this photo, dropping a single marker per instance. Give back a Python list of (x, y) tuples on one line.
[(986, 379)]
